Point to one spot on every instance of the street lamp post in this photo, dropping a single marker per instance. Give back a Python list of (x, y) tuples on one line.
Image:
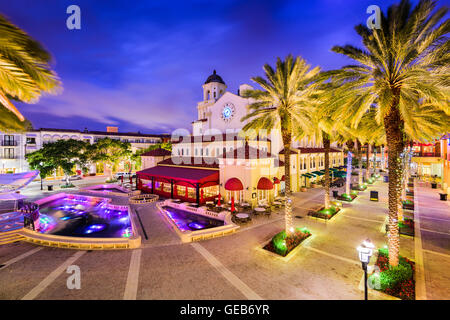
[(41, 164), (365, 251)]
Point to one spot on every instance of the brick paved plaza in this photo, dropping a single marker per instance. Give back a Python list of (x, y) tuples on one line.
[(235, 267)]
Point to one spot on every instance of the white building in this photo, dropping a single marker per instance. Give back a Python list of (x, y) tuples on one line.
[(14, 146), (218, 158)]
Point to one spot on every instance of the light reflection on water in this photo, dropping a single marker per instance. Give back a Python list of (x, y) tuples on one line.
[(84, 217)]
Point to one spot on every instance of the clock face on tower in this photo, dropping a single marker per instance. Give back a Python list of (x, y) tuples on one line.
[(228, 112)]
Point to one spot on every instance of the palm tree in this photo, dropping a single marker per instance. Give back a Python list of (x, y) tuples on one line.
[(24, 71), (284, 103), (404, 63), (350, 146)]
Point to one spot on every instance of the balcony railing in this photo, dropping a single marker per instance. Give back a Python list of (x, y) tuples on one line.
[(9, 143), (9, 157)]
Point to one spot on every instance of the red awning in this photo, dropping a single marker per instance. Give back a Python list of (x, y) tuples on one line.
[(234, 184), (276, 180), (265, 184), (181, 175)]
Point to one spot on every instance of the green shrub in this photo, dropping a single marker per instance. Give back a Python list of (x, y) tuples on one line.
[(282, 245), (67, 186), (390, 278), (393, 276)]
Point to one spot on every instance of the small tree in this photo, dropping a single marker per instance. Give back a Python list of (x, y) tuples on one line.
[(111, 152), (64, 154), (38, 161)]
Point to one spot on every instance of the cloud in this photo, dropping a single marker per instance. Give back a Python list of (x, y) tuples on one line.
[(146, 106)]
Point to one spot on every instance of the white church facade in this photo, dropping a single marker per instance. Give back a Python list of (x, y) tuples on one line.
[(219, 157)]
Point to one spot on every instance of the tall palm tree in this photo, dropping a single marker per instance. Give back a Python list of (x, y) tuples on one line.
[(284, 103), (405, 62), (24, 70), (350, 146)]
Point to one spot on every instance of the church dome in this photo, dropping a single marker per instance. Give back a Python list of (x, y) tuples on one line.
[(214, 78)]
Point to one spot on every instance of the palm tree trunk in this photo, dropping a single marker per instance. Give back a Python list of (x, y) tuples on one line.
[(348, 180), (326, 145), (393, 126), (374, 162), (289, 225), (367, 162), (360, 172)]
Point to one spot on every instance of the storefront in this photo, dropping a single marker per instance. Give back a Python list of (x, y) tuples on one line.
[(187, 184)]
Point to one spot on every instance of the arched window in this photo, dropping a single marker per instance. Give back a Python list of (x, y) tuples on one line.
[(207, 151), (196, 152)]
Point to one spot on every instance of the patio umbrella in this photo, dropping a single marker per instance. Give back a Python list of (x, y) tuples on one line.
[(201, 195), (232, 205), (218, 200), (121, 179), (186, 194), (131, 179)]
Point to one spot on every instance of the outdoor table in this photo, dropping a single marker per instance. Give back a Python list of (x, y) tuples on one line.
[(176, 200), (277, 204), (245, 204), (260, 209), (209, 203), (242, 216)]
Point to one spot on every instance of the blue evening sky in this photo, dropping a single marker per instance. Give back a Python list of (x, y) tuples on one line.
[(140, 64)]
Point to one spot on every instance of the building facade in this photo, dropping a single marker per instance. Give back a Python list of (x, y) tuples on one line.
[(219, 157), (14, 146)]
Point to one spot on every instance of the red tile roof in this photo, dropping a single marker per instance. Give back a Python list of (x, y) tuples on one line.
[(247, 152), (210, 138), (192, 175), (292, 152), (201, 162)]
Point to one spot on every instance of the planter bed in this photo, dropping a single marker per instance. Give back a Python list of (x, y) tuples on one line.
[(67, 186), (397, 282), (360, 187), (410, 193), (406, 227), (408, 205), (410, 185), (323, 213), (282, 245), (345, 197)]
